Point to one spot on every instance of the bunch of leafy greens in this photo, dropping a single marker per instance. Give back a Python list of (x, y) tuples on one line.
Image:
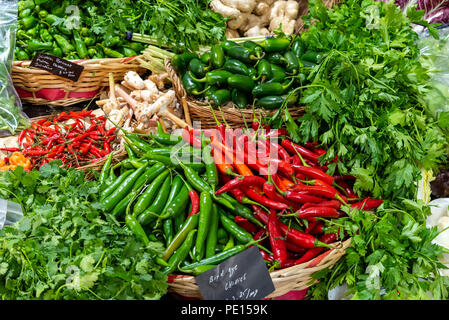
[(65, 247), (176, 24), (391, 256), (363, 101)]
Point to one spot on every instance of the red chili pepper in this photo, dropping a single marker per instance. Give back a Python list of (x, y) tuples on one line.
[(301, 197), (276, 133), (241, 182), (107, 147), (269, 190), (277, 242), (245, 224), (313, 172), (253, 195), (195, 200), (55, 151), (110, 132), (255, 125), (324, 212), (85, 147), (367, 204), (330, 203), (318, 228), (313, 252), (348, 190), (99, 151), (295, 248), (311, 225), (321, 191), (187, 136), (294, 148), (10, 149)]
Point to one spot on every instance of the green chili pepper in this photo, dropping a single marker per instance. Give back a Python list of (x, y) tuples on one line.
[(230, 243), (167, 227), (211, 168), (312, 56), (85, 32), (271, 89), (278, 74), (241, 210), (298, 47), (160, 200), (276, 58), (228, 44), (176, 186), (131, 153), (212, 235), (181, 61), (21, 55), (220, 96), (239, 98), (308, 64), (105, 171), (190, 224), (195, 180), (217, 56), (136, 229), (112, 53), (33, 32), (206, 58), (89, 41), (25, 13), (181, 254), (25, 4), (64, 44), (136, 46), (179, 219), (35, 45), (123, 189), (275, 44), (137, 143), (222, 236), (128, 52), (203, 224), (166, 138), (144, 200), (191, 85), (264, 71), (28, 22), (243, 54), (92, 52), (43, 14), (293, 63), (241, 82), (196, 271), (235, 66), (177, 205), (214, 77), (234, 229), (80, 46), (56, 51), (148, 177), (112, 41), (46, 36), (198, 68), (275, 102)]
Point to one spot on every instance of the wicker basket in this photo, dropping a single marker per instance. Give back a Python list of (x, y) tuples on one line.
[(234, 117), (40, 87), (298, 277), (118, 155)]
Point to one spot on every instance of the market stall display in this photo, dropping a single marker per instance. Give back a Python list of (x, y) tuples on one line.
[(313, 134)]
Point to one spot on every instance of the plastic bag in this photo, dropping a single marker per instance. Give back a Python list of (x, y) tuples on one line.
[(12, 118), (10, 212)]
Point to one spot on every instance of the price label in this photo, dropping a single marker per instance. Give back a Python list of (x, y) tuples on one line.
[(242, 277), (57, 66)]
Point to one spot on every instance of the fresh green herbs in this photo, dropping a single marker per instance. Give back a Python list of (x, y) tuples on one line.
[(65, 247), (364, 98), (391, 255)]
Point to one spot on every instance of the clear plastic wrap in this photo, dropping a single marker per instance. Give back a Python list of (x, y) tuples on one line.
[(12, 118)]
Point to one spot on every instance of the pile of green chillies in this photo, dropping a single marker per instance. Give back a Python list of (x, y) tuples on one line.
[(163, 199), (48, 28), (260, 74)]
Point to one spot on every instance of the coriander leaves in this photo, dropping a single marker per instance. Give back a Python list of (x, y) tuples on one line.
[(65, 248)]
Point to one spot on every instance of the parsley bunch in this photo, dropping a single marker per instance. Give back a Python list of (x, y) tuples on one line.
[(391, 255), (65, 247), (364, 102)]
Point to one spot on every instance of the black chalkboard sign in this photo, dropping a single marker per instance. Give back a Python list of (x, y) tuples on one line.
[(57, 66), (242, 277)]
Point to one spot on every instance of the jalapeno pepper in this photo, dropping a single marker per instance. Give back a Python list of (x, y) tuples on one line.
[(217, 56), (275, 102), (243, 54), (241, 82), (277, 74), (271, 89), (206, 58), (312, 56), (214, 77), (275, 44), (235, 66), (192, 85), (228, 44), (293, 63), (276, 58), (264, 71), (220, 97), (298, 47), (203, 224), (198, 68), (258, 50), (181, 61), (239, 98)]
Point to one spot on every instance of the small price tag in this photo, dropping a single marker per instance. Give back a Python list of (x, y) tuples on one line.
[(57, 66), (242, 277)]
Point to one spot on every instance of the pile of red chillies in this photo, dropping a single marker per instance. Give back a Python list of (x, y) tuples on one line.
[(75, 144), (280, 179)]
